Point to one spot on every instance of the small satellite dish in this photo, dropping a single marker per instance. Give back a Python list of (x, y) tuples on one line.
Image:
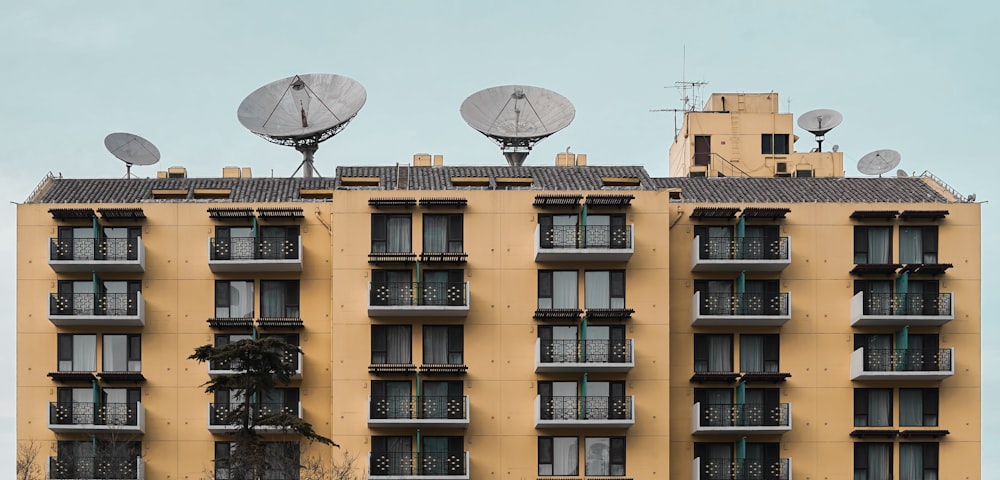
[(301, 111), (836, 148), (902, 173), (818, 122), (878, 162), (516, 117), (131, 149)]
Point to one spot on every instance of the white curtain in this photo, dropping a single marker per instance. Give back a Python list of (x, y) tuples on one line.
[(435, 233), (565, 458), (115, 353), (911, 245), (878, 245), (879, 461), (398, 230), (398, 342), (751, 353), (564, 288), (911, 407), (240, 300), (597, 289), (398, 449), (435, 344), (84, 353), (598, 455), (720, 355), (879, 407), (720, 242)]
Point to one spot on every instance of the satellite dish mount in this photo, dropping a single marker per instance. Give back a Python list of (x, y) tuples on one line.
[(131, 149), (818, 122), (879, 162)]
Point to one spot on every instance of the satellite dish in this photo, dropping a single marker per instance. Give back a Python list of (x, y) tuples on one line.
[(301, 111), (818, 122), (902, 173), (131, 149), (878, 162), (516, 117)]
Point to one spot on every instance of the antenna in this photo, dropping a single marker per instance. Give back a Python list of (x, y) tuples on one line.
[(131, 149), (878, 162), (516, 117), (818, 122), (301, 111)]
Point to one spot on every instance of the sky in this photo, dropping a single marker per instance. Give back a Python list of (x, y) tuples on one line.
[(912, 76)]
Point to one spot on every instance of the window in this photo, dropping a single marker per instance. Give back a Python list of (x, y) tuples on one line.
[(604, 289), (290, 356), (77, 353), (115, 243), (442, 399), (604, 456), (234, 299), (713, 353), (918, 244), (872, 245), (391, 344), (558, 456), (606, 231), (234, 243), (702, 150), (714, 241), (715, 296), (872, 461), (279, 298), (558, 231), (78, 458), (443, 233), (872, 407), (759, 353), (391, 233), (122, 353), (560, 400), (391, 399), (604, 344), (716, 459), (281, 462), (442, 456), (918, 407), (878, 297), (118, 405), (392, 455), (559, 343), (392, 287), (280, 400), (79, 403), (774, 144), (918, 461), (605, 400), (557, 289), (443, 344), (223, 339), (279, 242), (443, 287), (715, 405)]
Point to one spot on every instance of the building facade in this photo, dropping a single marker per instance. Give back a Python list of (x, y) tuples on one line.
[(567, 321)]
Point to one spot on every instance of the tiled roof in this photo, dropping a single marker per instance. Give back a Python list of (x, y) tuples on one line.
[(549, 178), (802, 190)]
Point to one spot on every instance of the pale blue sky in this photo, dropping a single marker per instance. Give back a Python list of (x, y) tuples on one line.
[(915, 76)]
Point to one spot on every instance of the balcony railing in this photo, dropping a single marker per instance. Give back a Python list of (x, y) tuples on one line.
[(596, 243), (221, 416), (750, 254), (741, 469), (406, 299), (218, 368), (584, 411), (96, 468), (97, 309), (89, 417), (602, 355), (250, 254), (741, 309), (741, 418), (97, 255), (392, 411), (901, 309), (902, 364), (423, 465)]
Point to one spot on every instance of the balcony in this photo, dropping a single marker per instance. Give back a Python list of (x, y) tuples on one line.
[(741, 419), (902, 364), (97, 309), (88, 417), (220, 417), (418, 299), (96, 468), (418, 412), (613, 356), (741, 309), (250, 254), (901, 309), (418, 466), (746, 254), (218, 368), (586, 243), (741, 469), (584, 412), (97, 255)]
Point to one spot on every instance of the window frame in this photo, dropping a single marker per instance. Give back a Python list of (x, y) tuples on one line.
[(66, 347), (928, 243), (703, 349), (223, 298), (861, 244), (616, 456), (546, 289), (769, 143), (615, 295), (547, 456), (930, 406), (454, 344), (380, 233), (380, 343), (863, 403), (770, 352), (454, 232), (133, 352), (861, 455), (929, 459), (291, 295)]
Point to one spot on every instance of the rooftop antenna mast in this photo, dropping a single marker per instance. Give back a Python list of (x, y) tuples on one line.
[(688, 102)]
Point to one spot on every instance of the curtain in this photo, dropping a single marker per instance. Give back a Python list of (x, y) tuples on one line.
[(598, 455), (398, 449), (398, 341), (398, 399), (435, 287), (720, 242), (878, 244), (435, 233), (911, 245), (911, 463), (911, 407), (272, 299), (398, 228), (751, 353), (436, 454), (879, 407), (880, 461), (720, 353), (597, 286), (566, 453), (115, 353), (84, 353), (564, 289), (435, 345)]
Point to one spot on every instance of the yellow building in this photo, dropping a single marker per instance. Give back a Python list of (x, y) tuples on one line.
[(562, 321)]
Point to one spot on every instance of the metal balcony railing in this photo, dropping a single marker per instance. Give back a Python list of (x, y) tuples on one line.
[(109, 249), (97, 414), (585, 236), (292, 358), (586, 351), (429, 464), (76, 467), (418, 407), (755, 304), (586, 408), (223, 414), (908, 360), (744, 415), (924, 304), (744, 469), (94, 304), (252, 248), (419, 294), (743, 248)]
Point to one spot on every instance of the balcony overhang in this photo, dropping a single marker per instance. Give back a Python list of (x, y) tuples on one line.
[(899, 316), (745, 264), (90, 320), (626, 422), (99, 265), (699, 319), (751, 423), (602, 363), (585, 254), (249, 265), (419, 308), (420, 422), (222, 428), (858, 373), (110, 424)]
